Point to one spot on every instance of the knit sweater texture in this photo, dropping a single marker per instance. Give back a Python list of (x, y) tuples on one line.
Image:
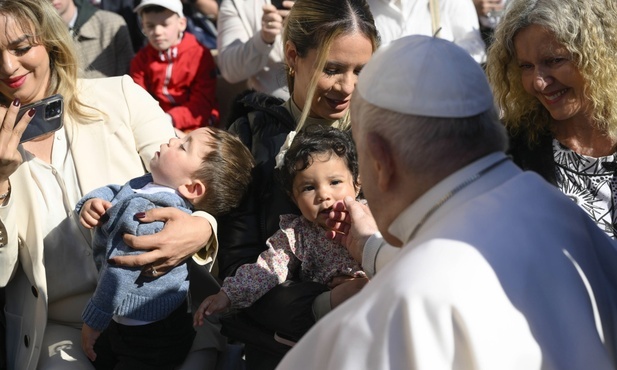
[(123, 291)]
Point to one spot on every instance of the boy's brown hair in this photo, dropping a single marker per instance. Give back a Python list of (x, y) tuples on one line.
[(226, 170)]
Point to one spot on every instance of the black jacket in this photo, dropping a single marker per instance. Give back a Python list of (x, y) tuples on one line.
[(262, 125), (537, 157)]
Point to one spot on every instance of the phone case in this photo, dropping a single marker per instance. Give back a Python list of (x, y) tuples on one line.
[(47, 118)]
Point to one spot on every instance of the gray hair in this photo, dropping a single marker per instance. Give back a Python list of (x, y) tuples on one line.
[(431, 145)]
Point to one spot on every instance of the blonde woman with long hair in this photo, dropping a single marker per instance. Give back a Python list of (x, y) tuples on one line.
[(112, 128)]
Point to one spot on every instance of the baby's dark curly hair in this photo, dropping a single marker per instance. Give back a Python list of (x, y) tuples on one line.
[(312, 141)]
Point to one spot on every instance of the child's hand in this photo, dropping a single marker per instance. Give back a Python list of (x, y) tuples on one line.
[(92, 211), (213, 304), (88, 338)]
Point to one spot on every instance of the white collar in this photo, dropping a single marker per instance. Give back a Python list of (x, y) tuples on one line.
[(151, 188), (74, 19), (416, 213)]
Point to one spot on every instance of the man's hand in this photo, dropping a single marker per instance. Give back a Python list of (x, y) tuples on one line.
[(351, 224), (182, 236)]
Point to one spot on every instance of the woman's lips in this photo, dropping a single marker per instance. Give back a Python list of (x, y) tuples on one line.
[(338, 104), (554, 97), (15, 82)]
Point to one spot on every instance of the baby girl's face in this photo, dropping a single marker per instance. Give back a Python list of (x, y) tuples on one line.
[(318, 187)]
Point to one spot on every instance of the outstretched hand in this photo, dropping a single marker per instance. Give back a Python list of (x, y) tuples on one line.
[(351, 223), (215, 303), (182, 236)]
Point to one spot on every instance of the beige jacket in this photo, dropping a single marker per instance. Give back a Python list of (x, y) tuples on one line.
[(110, 150), (104, 45)]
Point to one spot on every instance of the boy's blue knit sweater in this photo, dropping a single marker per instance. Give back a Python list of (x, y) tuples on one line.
[(123, 291)]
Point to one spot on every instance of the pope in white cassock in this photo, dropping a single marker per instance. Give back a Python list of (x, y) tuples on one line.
[(497, 269)]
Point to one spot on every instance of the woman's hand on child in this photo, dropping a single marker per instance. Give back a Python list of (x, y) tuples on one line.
[(88, 338), (215, 303), (182, 236), (92, 211)]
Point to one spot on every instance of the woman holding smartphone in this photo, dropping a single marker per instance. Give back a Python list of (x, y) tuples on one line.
[(111, 129)]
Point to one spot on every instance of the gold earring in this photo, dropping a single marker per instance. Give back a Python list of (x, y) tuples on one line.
[(291, 72)]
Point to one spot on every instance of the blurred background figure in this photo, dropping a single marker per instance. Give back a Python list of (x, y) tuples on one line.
[(102, 38), (175, 68), (201, 20), (124, 8), (455, 21), (489, 14), (250, 47)]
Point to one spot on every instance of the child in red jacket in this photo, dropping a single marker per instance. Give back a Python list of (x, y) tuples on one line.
[(174, 67)]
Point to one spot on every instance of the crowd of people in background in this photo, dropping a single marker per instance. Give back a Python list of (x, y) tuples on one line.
[(324, 184)]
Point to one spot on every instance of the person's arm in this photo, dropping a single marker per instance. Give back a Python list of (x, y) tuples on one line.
[(242, 52), (183, 236), (10, 160), (273, 266), (9, 241), (376, 253), (196, 111)]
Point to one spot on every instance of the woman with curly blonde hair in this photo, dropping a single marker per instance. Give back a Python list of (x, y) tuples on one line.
[(553, 69)]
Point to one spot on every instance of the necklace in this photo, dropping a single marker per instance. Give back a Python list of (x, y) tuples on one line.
[(450, 194)]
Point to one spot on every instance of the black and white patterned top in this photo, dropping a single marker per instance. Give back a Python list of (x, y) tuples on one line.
[(590, 182)]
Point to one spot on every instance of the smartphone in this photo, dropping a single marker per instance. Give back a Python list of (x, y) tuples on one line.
[(47, 118), (278, 4)]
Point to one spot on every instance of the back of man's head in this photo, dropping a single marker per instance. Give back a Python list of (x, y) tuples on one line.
[(431, 101)]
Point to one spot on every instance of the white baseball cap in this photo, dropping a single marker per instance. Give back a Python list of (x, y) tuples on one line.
[(173, 5), (425, 76)]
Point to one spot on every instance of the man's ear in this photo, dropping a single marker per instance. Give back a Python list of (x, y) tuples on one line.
[(193, 190), (382, 160)]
